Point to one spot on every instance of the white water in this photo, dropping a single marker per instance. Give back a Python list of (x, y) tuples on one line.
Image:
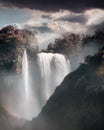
[(53, 68), (28, 102), (25, 70)]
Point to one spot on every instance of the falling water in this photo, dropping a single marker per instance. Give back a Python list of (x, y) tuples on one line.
[(25, 73), (28, 104), (53, 68)]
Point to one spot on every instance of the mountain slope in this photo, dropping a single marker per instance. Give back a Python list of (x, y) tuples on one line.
[(13, 42), (78, 103)]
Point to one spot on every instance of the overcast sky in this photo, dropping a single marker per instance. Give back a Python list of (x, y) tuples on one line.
[(50, 19), (73, 5)]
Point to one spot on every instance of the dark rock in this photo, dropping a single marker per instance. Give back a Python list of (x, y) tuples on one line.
[(72, 44), (67, 45), (13, 41), (78, 103), (96, 39)]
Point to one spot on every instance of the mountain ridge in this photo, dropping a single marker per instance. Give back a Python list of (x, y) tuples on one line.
[(77, 103)]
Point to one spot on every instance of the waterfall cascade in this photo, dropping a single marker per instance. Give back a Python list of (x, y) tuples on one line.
[(29, 94), (25, 71), (53, 69), (29, 101)]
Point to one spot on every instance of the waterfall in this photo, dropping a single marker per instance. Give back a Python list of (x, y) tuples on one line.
[(25, 70), (39, 81), (53, 69), (28, 103)]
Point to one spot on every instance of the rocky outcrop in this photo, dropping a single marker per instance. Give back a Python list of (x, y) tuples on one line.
[(72, 44), (96, 39), (67, 45), (13, 41), (78, 103)]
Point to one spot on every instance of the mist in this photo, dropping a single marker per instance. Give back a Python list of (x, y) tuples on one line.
[(24, 95), (79, 58)]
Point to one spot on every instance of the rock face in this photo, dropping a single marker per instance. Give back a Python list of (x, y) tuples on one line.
[(78, 103), (95, 39), (76, 46), (68, 44), (12, 44)]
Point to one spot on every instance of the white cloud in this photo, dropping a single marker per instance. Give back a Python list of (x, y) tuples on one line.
[(52, 24), (64, 21), (95, 16), (45, 39)]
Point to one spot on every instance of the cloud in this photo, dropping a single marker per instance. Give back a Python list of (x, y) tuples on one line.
[(40, 29), (46, 16), (73, 5), (74, 18), (95, 16), (50, 25), (93, 28), (63, 21), (95, 19)]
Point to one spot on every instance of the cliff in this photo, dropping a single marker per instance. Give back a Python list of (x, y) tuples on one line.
[(78, 103), (71, 44), (13, 41)]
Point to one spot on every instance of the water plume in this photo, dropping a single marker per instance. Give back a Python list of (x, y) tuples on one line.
[(25, 70), (53, 69), (28, 97)]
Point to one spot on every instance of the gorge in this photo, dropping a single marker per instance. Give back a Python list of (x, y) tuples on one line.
[(52, 70), (42, 88)]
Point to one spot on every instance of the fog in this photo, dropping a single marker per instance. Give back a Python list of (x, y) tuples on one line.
[(24, 95), (79, 57)]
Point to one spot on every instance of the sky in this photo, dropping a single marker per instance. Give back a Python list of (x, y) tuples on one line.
[(51, 19)]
